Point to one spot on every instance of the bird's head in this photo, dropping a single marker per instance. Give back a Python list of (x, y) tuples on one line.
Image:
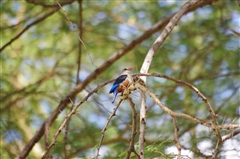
[(127, 69)]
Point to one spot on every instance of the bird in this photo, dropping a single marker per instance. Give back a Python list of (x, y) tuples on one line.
[(122, 82)]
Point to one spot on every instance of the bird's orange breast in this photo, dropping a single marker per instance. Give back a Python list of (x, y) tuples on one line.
[(123, 86)]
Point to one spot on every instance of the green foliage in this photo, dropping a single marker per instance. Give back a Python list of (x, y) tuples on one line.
[(39, 69)]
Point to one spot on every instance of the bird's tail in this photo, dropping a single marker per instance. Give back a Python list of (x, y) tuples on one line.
[(114, 95)]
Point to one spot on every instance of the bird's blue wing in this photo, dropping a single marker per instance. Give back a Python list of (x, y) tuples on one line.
[(114, 87), (118, 81)]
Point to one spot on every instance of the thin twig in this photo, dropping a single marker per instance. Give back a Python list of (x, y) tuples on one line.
[(214, 154), (231, 134), (75, 30), (134, 131), (27, 27), (182, 115), (105, 127), (176, 136)]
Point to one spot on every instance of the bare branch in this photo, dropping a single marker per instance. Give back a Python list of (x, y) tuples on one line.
[(105, 127), (176, 136), (230, 135), (142, 124), (134, 131)]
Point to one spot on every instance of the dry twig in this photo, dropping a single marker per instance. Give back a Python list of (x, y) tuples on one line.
[(178, 145), (134, 131), (106, 125)]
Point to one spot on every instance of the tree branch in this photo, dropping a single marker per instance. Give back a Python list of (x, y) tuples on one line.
[(105, 127), (27, 27), (176, 136), (230, 135), (134, 131)]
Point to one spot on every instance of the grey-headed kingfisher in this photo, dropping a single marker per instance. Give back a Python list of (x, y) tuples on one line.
[(122, 82)]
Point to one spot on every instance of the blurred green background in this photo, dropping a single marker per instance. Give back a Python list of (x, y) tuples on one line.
[(203, 50)]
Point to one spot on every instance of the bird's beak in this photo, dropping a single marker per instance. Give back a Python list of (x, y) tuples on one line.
[(130, 68)]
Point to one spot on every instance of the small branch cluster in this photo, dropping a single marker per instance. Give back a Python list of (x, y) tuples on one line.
[(138, 85), (67, 118), (213, 125)]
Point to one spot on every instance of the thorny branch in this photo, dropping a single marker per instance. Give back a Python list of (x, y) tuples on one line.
[(231, 134)]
